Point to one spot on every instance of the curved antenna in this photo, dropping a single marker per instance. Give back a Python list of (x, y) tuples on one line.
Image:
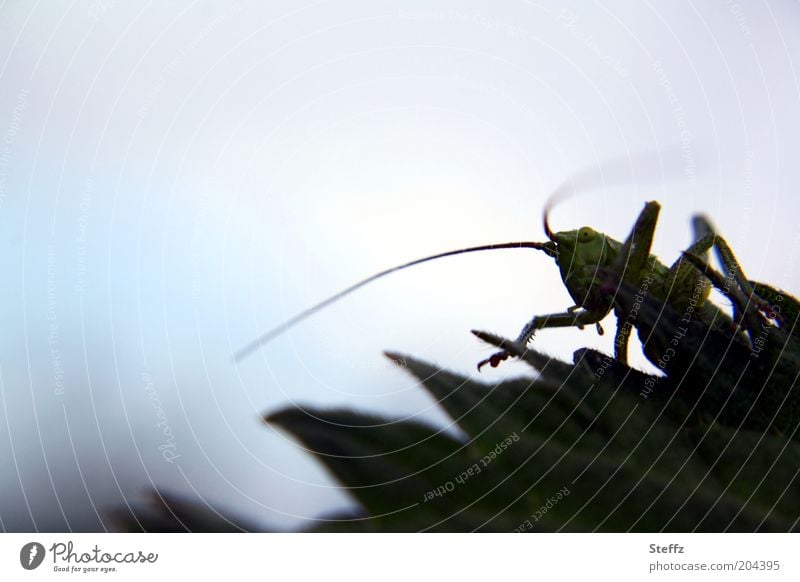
[(636, 168), (549, 248), (547, 230), (564, 191)]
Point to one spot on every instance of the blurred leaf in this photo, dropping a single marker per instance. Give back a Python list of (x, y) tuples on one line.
[(712, 444), (621, 462), (167, 512)]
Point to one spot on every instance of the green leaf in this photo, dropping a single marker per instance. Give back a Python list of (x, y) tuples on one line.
[(402, 473)]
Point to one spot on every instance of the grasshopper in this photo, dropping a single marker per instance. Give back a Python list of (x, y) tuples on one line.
[(595, 267)]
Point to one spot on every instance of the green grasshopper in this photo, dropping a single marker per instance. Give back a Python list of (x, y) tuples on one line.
[(593, 264), (594, 267)]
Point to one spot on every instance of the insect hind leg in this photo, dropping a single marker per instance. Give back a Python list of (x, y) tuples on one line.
[(707, 238), (732, 282)]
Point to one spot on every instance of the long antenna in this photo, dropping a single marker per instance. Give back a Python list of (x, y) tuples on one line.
[(548, 247), (610, 172)]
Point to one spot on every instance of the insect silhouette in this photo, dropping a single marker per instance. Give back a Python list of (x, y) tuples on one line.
[(602, 274)]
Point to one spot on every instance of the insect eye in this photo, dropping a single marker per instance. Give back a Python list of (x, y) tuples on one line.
[(585, 234)]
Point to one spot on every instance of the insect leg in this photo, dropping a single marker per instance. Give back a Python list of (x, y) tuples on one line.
[(731, 269), (751, 322), (684, 280), (570, 318), (692, 275), (621, 340), (631, 261), (635, 251), (732, 282), (730, 266), (784, 309)]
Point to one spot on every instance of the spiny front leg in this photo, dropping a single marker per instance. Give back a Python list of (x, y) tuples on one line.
[(570, 318)]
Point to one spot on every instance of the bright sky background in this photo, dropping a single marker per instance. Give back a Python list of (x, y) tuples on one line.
[(177, 178)]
